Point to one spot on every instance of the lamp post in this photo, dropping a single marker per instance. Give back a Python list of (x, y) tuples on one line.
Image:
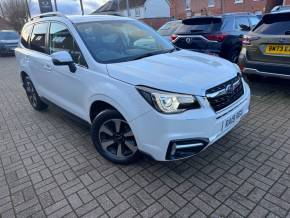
[(28, 9), (128, 8), (82, 7), (55, 5)]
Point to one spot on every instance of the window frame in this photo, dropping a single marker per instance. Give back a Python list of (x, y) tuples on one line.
[(238, 1), (212, 5), (75, 41)]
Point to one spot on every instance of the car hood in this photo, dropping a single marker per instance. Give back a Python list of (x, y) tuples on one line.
[(182, 71)]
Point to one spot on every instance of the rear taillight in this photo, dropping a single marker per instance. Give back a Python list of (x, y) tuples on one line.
[(216, 37), (248, 39), (173, 37)]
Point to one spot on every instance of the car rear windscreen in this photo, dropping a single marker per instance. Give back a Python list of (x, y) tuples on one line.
[(274, 24), (169, 28), (200, 25)]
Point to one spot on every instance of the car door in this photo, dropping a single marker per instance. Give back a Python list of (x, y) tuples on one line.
[(69, 89), (39, 58)]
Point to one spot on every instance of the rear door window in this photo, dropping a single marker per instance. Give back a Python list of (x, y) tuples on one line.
[(200, 25), (25, 36), (242, 23), (169, 28), (254, 21), (38, 37), (274, 24)]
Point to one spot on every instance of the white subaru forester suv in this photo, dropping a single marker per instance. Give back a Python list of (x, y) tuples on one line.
[(139, 93)]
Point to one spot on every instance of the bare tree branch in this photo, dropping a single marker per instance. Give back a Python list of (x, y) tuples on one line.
[(15, 12)]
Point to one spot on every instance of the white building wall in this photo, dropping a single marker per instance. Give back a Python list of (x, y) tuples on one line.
[(156, 8)]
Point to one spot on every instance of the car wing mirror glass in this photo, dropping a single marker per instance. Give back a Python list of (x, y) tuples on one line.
[(62, 58)]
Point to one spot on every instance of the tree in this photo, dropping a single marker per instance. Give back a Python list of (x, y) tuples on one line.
[(15, 12)]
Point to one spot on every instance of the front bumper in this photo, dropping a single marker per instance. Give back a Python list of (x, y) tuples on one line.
[(7, 50), (155, 133)]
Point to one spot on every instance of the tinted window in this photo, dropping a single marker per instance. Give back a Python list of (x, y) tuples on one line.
[(61, 40), (38, 35), (274, 24), (9, 36), (25, 36), (197, 25), (242, 23), (254, 21), (169, 28)]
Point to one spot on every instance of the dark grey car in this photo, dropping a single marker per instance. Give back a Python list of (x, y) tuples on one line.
[(216, 35), (266, 49), (8, 42)]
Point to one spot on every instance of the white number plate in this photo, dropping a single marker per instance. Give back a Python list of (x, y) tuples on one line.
[(232, 120)]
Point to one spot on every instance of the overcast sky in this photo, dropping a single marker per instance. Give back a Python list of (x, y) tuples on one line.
[(70, 6)]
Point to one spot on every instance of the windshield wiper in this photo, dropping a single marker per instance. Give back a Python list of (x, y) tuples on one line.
[(154, 53)]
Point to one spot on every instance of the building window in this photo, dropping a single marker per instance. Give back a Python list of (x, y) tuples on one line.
[(187, 4), (238, 1), (210, 3), (137, 12)]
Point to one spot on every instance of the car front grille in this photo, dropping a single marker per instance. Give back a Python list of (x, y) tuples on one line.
[(223, 95)]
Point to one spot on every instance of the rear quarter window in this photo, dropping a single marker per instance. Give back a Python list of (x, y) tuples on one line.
[(274, 24), (38, 37)]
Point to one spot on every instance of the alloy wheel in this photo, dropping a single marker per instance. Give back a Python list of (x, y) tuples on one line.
[(31, 93), (117, 139)]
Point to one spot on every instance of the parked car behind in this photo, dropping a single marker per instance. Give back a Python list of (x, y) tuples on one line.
[(9, 40), (280, 8), (169, 28), (266, 49), (216, 35)]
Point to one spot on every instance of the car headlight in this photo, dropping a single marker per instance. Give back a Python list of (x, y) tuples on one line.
[(167, 102)]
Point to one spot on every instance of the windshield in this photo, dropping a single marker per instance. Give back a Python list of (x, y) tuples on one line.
[(9, 36), (197, 25), (169, 28), (118, 41)]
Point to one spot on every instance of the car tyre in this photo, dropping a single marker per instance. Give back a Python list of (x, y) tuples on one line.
[(113, 138), (32, 95)]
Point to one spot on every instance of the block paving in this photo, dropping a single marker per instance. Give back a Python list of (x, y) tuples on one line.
[(50, 168)]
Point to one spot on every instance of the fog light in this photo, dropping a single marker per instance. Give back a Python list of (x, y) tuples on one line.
[(173, 149)]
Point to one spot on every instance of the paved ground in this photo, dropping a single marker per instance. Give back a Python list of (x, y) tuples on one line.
[(49, 167)]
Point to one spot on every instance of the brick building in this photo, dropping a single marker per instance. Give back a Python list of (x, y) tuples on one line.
[(186, 8)]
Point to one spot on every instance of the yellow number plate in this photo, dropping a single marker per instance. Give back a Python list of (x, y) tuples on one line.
[(278, 49)]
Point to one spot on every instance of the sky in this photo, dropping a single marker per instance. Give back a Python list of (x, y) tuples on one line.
[(70, 6)]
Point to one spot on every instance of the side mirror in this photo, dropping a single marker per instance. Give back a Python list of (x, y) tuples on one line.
[(63, 58), (245, 27)]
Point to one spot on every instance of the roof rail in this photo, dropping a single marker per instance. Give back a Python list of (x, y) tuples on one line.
[(50, 14)]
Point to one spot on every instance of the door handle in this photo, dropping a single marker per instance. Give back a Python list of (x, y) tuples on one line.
[(47, 67)]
